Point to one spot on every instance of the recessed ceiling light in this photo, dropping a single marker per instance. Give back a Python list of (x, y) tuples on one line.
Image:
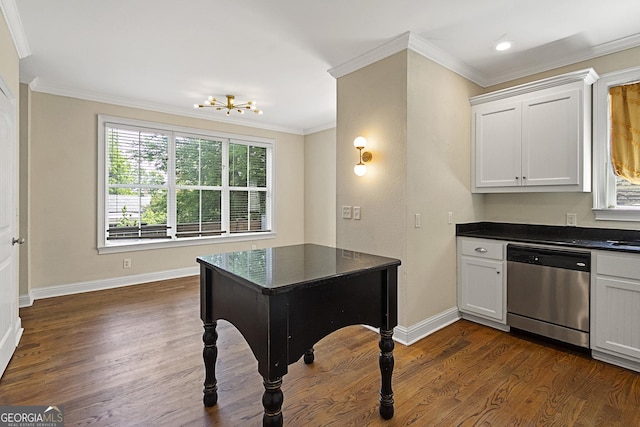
[(503, 45)]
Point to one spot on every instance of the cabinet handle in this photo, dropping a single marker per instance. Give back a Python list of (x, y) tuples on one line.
[(524, 177), (517, 177), (481, 250)]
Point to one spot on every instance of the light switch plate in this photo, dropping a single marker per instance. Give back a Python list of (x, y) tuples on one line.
[(346, 212), (356, 212)]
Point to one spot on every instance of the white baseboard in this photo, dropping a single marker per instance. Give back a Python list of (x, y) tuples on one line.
[(615, 360), (98, 285), (19, 330), (25, 300), (414, 333), (403, 335)]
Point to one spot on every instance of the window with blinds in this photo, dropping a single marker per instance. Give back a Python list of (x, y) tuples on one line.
[(165, 184)]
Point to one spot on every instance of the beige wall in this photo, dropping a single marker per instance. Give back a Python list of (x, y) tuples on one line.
[(320, 188), (415, 115), (438, 182), (63, 182), (551, 208), (372, 102)]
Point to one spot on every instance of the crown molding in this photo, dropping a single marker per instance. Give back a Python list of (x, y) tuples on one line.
[(320, 128), (12, 18), (411, 41), (37, 85), (439, 56), (583, 55), (385, 50), (587, 76)]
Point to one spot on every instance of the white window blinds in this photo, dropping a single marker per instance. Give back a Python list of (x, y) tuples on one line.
[(172, 185)]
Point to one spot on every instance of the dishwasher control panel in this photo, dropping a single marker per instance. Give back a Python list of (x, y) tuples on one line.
[(571, 260)]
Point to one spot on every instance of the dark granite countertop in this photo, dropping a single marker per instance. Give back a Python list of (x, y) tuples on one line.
[(609, 239)]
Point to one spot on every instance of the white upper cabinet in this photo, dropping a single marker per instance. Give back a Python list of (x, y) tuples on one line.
[(534, 137), (498, 144)]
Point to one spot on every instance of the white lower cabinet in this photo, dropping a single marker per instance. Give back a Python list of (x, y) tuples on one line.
[(481, 281), (615, 308), (615, 296)]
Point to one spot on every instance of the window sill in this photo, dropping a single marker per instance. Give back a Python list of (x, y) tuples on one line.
[(617, 214), (143, 245)]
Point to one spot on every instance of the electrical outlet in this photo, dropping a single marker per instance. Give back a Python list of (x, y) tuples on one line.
[(418, 221), (572, 219), (356, 212), (346, 212), (126, 263)]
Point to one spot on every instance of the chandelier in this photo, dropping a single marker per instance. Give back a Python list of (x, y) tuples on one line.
[(230, 105)]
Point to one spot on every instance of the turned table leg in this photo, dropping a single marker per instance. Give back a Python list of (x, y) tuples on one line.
[(272, 401), (210, 354), (308, 356), (386, 369)]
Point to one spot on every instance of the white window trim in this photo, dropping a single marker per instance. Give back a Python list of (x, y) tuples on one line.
[(137, 245), (604, 185)]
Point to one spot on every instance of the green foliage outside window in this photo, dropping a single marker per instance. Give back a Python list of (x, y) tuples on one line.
[(138, 177)]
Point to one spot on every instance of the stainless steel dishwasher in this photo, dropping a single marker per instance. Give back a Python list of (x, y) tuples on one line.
[(548, 292)]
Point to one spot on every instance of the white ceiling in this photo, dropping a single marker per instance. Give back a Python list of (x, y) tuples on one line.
[(167, 55)]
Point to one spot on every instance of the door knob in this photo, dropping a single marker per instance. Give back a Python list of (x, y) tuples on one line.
[(19, 241)]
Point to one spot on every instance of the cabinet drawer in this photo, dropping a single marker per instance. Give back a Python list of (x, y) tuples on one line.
[(482, 248), (619, 265)]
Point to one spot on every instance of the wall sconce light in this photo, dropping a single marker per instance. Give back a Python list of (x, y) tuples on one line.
[(360, 169)]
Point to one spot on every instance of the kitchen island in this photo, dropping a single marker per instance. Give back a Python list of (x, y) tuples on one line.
[(285, 299)]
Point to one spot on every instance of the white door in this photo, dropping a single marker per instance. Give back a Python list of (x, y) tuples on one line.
[(10, 328)]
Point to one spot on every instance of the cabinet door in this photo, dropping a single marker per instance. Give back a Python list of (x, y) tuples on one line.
[(617, 310), (481, 287), (551, 139), (497, 145)]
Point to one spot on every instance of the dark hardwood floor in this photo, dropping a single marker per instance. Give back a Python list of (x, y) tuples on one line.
[(133, 357)]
